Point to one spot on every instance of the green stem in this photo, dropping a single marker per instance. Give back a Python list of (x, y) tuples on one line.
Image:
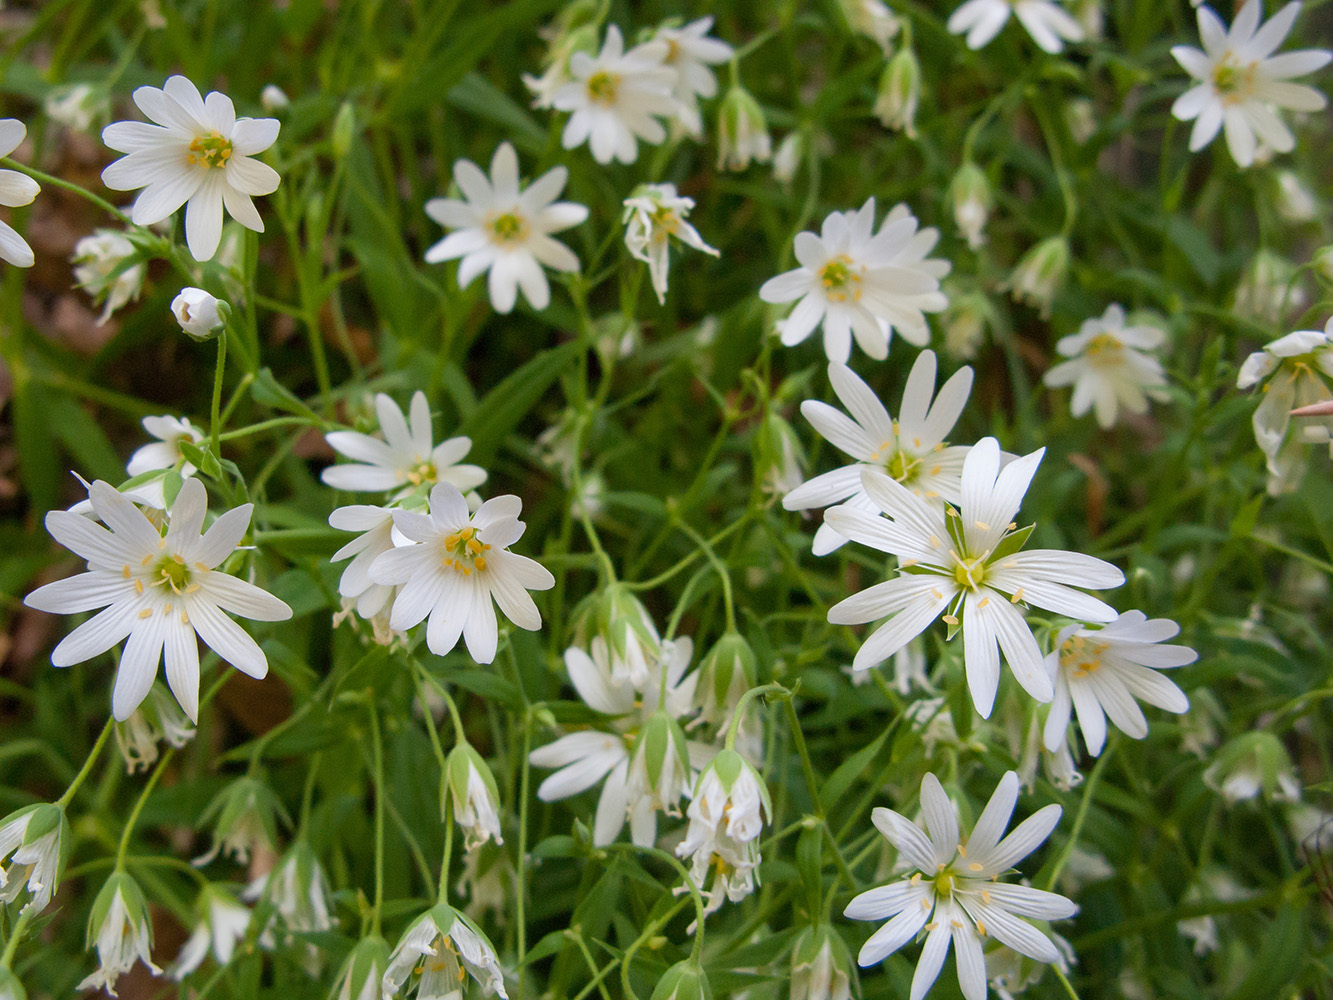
[(148, 787), (744, 703), (377, 752), (728, 602), (216, 409), (700, 914), (11, 946), (1079, 817), (93, 754), (443, 892), (810, 780), (1317, 563), (1064, 980), (53, 181)]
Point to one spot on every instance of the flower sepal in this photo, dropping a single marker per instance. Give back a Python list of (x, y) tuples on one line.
[(683, 981)]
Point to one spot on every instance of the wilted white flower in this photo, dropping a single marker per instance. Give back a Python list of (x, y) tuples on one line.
[(405, 459), (955, 895), (200, 314), (617, 98), (1047, 21), (1109, 366), (728, 809), (443, 947), (460, 563), (1098, 672), (968, 565), (299, 892), (504, 231), (1242, 84), (162, 591), (476, 799), (911, 449), (198, 152), (15, 189), (98, 261), (653, 214), (35, 840), (1039, 274), (120, 931), (223, 922), (246, 811), (158, 717), (862, 284), (742, 132), (690, 51)]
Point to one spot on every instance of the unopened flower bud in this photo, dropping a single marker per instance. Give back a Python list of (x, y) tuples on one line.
[(899, 93), (1040, 272), (965, 323), (787, 159), (344, 130), (35, 840), (1251, 764), (103, 268), (362, 975), (742, 131), (476, 798), (246, 812), (200, 314), (683, 981), (273, 98), (120, 931), (821, 965), (77, 106), (971, 197)]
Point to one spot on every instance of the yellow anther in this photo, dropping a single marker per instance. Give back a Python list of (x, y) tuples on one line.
[(480, 562), (982, 525), (1016, 596), (975, 867), (138, 586), (951, 619), (146, 613), (125, 572), (981, 928), (983, 602)]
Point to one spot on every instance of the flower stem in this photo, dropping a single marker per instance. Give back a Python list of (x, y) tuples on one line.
[(728, 602), (11, 946), (810, 780), (93, 754), (443, 892), (377, 752), (744, 703), (53, 181), (215, 424), (148, 787), (700, 914), (1079, 817)]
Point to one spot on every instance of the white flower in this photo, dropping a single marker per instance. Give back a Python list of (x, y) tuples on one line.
[(476, 799), (654, 214), (911, 449), (617, 97), (199, 153), (1049, 24), (1099, 673), (120, 931), (1109, 366), (1295, 368), (165, 452), (742, 131), (506, 230), (162, 590), (873, 19), (787, 159), (31, 839), (273, 98), (1242, 84), (862, 284), (968, 561), (97, 259), (899, 93), (582, 759), (377, 537), (1295, 201), (955, 888), (362, 974), (1252, 763), (198, 312), (223, 923), (298, 891), (728, 810), (460, 562), (444, 947), (971, 196), (1269, 289), (15, 189), (820, 966), (405, 458), (76, 106), (690, 51)]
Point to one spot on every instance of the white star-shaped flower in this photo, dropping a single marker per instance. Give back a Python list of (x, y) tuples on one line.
[(199, 153), (967, 565), (162, 591), (1049, 24), (954, 894), (405, 458), (1241, 83), (506, 230), (860, 283), (458, 564), (911, 449), (1109, 366), (15, 189), (1098, 672), (617, 98), (690, 51)]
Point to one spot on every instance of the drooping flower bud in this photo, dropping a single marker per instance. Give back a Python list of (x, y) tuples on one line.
[(971, 196), (659, 766), (900, 93), (821, 965), (475, 796), (246, 812), (742, 131), (363, 973), (103, 268), (200, 314), (36, 841), (683, 981), (1038, 275), (444, 947), (120, 931)]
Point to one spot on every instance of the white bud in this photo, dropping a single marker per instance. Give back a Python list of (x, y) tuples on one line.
[(199, 313)]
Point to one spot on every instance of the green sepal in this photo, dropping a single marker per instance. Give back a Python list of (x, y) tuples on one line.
[(370, 958), (136, 907), (683, 981), (1011, 543), (10, 987), (461, 760)]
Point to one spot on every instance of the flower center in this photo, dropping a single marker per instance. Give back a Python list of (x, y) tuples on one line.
[(172, 572), (602, 87), (422, 473), (969, 573), (510, 227), (209, 151), (1081, 656), (463, 553), (840, 280), (902, 466), (945, 882), (666, 220), (1234, 83)]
